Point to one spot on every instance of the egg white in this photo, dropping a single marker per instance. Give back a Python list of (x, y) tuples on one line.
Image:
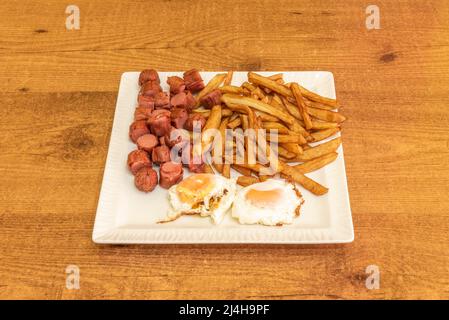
[(179, 208), (283, 212)]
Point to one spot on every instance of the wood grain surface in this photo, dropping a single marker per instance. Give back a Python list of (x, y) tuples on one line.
[(57, 97)]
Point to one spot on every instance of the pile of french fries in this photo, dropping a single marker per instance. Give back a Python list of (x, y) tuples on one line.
[(300, 116)]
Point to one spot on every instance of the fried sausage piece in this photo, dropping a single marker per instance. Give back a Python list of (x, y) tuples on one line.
[(190, 101), (183, 100), (146, 179), (193, 80), (150, 89), (149, 75), (193, 117), (145, 101), (161, 101), (147, 142), (142, 113), (138, 159), (211, 99), (159, 122), (176, 136), (178, 117), (176, 84), (160, 154), (197, 166), (138, 128), (171, 173)]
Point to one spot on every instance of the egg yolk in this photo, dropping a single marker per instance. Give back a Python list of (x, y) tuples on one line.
[(195, 188), (264, 198)]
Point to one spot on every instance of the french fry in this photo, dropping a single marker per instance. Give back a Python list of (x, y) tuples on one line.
[(323, 134), (276, 76), (258, 105), (226, 170), (231, 89), (245, 121), (281, 138), (242, 170), (225, 112), (291, 108), (271, 125), (318, 105), (213, 122), (214, 119), (277, 99), (263, 178), (286, 92), (258, 92), (317, 163), (233, 116), (292, 147), (245, 181), (257, 167), (213, 84), (321, 125), (320, 99), (228, 79), (266, 117), (247, 110), (235, 123), (326, 115), (246, 92), (285, 153), (296, 176), (266, 99), (269, 83), (277, 103), (208, 168), (222, 129), (320, 150), (248, 86), (301, 105)]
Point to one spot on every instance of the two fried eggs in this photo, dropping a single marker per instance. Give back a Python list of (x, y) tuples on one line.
[(271, 203)]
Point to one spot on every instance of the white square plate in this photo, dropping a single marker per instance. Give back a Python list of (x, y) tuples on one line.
[(126, 215)]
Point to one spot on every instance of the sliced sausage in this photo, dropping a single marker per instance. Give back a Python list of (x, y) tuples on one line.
[(150, 89), (142, 113), (138, 128), (194, 117), (176, 136), (145, 101), (159, 122), (179, 100), (197, 166), (138, 159), (176, 84), (211, 99), (147, 142), (148, 75), (190, 101), (193, 80), (178, 117), (162, 101), (170, 174), (187, 156), (161, 154), (146, 179)]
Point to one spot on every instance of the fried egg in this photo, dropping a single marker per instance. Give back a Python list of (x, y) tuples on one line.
[(271, 203), (203, 194)]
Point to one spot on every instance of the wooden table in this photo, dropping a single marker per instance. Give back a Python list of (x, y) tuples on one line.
[(57, 94)]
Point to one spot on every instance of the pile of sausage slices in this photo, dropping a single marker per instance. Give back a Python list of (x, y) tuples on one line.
[(156, 115)]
